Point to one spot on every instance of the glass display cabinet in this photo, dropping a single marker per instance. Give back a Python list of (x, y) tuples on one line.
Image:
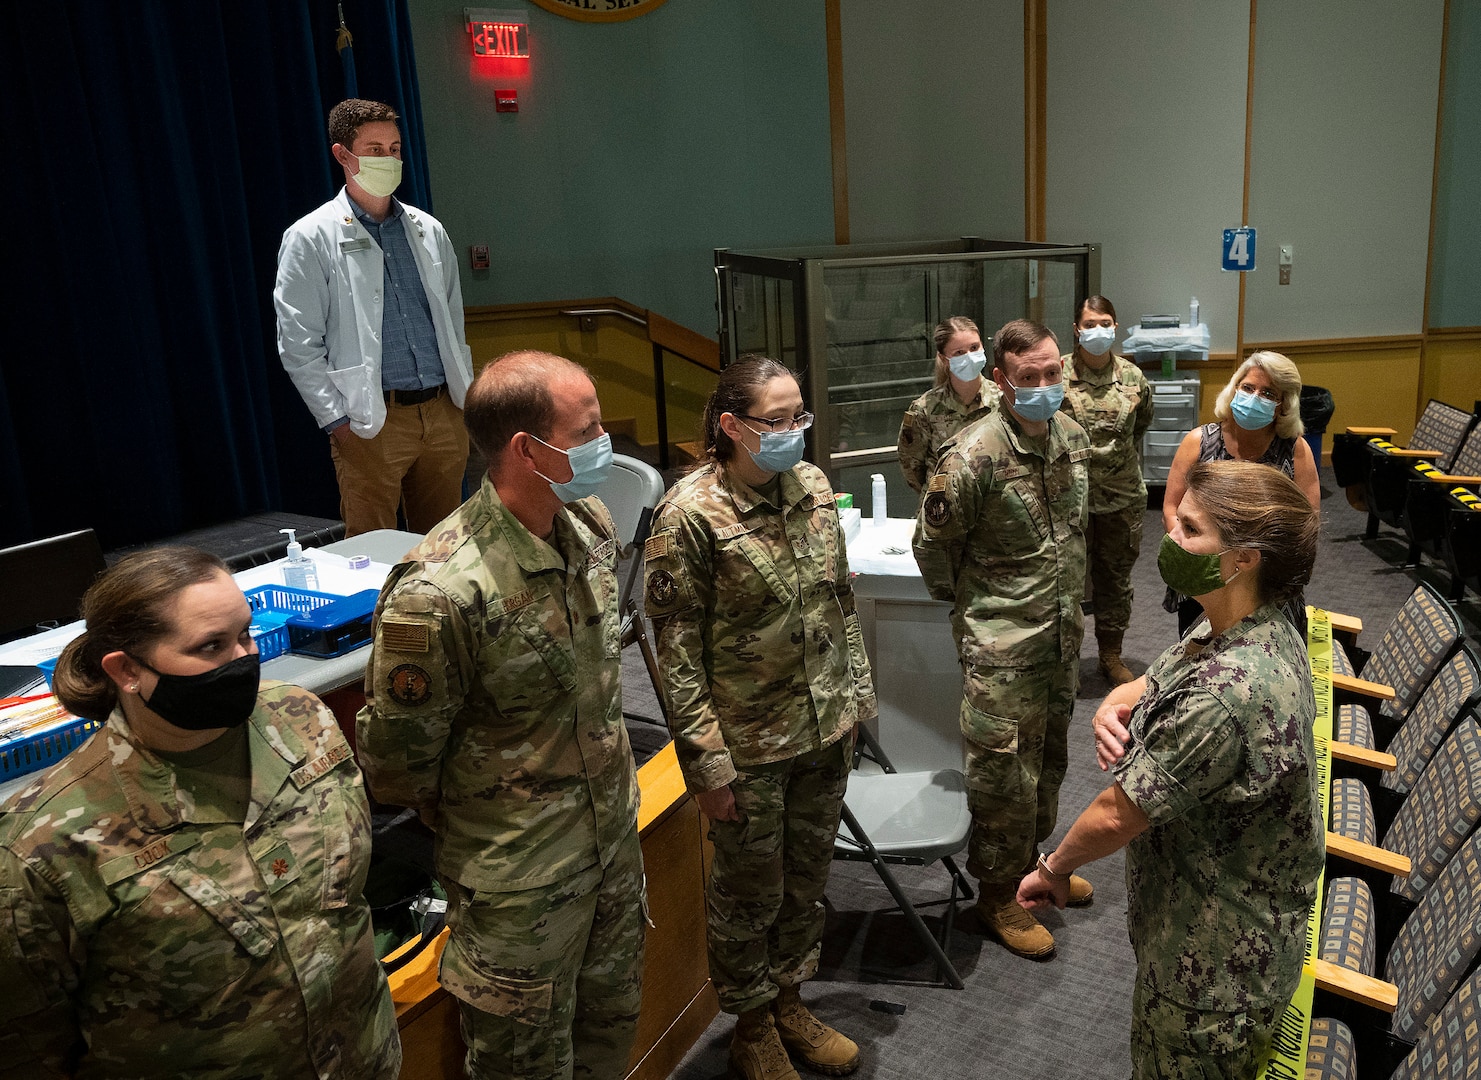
[(855, 323)]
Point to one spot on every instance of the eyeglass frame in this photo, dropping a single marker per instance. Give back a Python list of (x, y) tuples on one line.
[(801, 422)]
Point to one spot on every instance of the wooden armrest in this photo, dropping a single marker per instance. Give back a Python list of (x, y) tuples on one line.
[(1372, 430), (1362, 686), (1400, 451), (1355, 851), (1364, 989), (1345, 624), (1361, 755), (1447, 478)]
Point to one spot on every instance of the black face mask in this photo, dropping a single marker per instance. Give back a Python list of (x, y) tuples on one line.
[(223, 697)]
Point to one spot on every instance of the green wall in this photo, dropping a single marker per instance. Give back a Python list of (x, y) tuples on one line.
[(639, 148), (1455, 299)]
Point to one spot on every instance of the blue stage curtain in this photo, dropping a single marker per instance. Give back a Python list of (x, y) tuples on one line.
[(158, 152)]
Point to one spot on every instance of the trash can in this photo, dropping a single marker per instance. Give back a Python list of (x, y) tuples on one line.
[(1317, 408)]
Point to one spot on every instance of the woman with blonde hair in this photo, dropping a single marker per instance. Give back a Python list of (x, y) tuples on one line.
[(1215, 790), (960, 396), (1257, 418)]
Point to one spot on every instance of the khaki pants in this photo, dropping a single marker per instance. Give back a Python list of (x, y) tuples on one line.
[(548, 980), (416, 462)]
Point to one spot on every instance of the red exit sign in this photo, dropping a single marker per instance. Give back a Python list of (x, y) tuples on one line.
[(504, 39)]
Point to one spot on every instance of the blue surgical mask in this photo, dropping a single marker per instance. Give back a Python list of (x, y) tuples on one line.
[(1037, 403), (969, 365), (780, 450), (1251, 411), (590, 464), (1096, 340)]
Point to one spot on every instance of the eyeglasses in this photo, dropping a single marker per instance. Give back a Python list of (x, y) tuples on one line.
[(800, 422), (1269, 393)]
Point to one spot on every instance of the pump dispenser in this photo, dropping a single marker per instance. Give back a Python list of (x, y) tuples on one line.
[(298, 571)]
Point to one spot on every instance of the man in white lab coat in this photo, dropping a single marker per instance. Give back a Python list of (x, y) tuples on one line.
[(370, 329)]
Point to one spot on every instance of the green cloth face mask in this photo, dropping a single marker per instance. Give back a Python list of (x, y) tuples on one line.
[(1187, 572)]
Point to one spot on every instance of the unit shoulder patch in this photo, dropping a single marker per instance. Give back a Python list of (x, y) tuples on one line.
[(409, 685), (937, 509)]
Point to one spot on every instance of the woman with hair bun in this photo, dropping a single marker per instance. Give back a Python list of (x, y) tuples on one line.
[(764, 676), (185, 888), (1215, 792), (958, 396)]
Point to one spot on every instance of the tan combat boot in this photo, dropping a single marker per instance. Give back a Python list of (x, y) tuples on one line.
[(1011, 923), (1111, 666), (1081, 891), (756, 1051), (820, 1047)]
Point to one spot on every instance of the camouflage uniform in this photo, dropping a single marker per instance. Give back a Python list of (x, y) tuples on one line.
[(494, 707), (1114, 406), (1221, 762), (1001, 535), (931, 420), (764, 673), (150, 933)]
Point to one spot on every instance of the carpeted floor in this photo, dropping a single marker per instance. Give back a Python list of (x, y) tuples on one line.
[(1018, 1019)]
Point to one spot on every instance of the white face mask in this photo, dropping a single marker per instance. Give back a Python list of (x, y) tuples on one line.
[(379, 176), (1096, 340)]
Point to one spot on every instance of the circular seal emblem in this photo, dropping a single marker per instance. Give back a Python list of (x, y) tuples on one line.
[(662, 588), (410, 685), (937, 509)]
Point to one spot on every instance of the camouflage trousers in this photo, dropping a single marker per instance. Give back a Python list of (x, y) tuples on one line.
[(1016, 722), (1170, 1041), (548, 980), (1112, 542), (770, 868)]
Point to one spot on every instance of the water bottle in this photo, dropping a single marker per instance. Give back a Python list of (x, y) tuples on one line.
[(880, 508), (1193, 312)]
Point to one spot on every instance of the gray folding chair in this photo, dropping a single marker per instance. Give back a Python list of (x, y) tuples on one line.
[(632, 490), (909, 819)]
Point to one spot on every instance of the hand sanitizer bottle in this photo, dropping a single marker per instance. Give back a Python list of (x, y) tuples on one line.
[(298, 571), (880, 509)]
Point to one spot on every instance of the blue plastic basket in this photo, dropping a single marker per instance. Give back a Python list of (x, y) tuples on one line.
[(272, 607), (28, 753)]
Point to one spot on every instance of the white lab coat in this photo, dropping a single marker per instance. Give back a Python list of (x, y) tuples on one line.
[(329, 305)]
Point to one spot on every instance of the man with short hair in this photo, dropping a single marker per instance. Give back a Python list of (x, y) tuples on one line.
[(1001, 535), (494, 708), (370, 329)]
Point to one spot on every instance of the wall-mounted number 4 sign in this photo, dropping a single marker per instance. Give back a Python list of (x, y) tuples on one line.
[(1239, 249)]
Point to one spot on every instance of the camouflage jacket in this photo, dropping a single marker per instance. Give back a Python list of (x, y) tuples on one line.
[(149, 935), (494, 695), (1001, 536), (1114, 406), (1221, 762), (759, 645), (931, 420)]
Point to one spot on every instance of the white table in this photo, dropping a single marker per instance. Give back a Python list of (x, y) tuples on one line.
[(385, 548), (912, 650)]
